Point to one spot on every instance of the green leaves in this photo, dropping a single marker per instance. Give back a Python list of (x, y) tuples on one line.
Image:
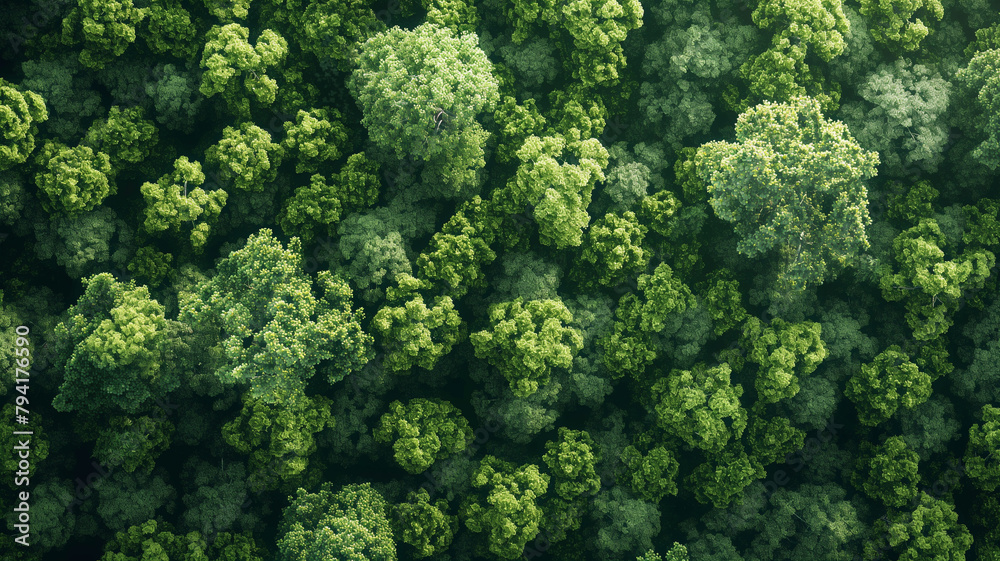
[(982, 456), (888, 472), (20, 112), (784, 352), (652, 476), (420, 91), (422, 431), (424, 525), (930, 531), (893, 24), (349, 524), (889, 382), (274, 330), (315, 137), (613, 249), (112, 349), (72, 180), (700, 406), (246, 156), (526, 340), (177, 198), (105, 28), (234, 68), (414, 334), (571, 461), (930, 284), (792, 183), (506, 507)]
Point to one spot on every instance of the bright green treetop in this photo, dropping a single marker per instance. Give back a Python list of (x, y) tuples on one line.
[(422, 431), (887, 383), (420, 91), (930, 532), (571, 461), (105, 28), (274, 330), (349, 524), (892, 22), (701, 406), (177, 198), (246, 156), (785, 351), (931, 285), (526, 340), (414, 334), (112, 349), (72, 180), (792, 183), (20, 112), (982, 457), (506, 506), (125, 136), (236, 69)]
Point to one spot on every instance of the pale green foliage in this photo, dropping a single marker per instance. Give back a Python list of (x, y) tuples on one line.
[(930, 284), (533, 61), (559, 191), (893, 23), (506, 505), (793, 182), (527, 275), (526, 340), (785, 352), (902, 116), (105, 28), (246, 156), (72, 180), (571, 461), (700, 406), (420, 91), (331, 30), (273, 329), (112, 349), (723, 301), (414, 334), (278, 438), (349, 524), (177, 198), (20, 112), (889, 382), (424, 525), (888, 472), (677, 553), (234, 68), (772, 438), (422, 431), (982, 456)]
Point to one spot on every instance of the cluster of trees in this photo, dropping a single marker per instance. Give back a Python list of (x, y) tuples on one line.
[(494, 279)]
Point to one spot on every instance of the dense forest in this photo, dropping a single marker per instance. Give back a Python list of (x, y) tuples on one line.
[(470, 280)]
